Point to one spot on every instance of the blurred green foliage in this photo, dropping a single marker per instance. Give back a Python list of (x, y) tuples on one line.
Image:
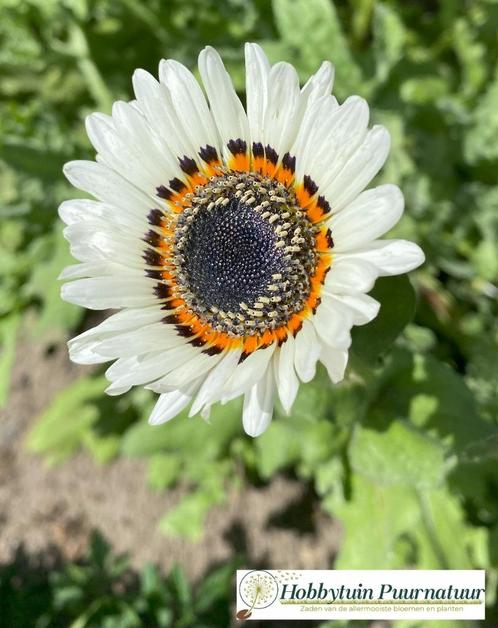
[(405, 451), (101, 591)]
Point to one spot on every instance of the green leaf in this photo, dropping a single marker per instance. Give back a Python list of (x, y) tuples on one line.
[(33, 160), (481, 142), (397, 299), (102, 447), (313, 401), (471, 54), (445, 540), (434, 398), (389, 39), (374, 521), (187, 518), (277, 448), (150, 580), (214, 587), (180, 586), (306, 437), (423, 90), (402, 454), (163, 470), (62, 427), (312, 31)]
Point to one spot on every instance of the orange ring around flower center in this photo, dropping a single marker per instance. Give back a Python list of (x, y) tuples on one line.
[(200, 332)]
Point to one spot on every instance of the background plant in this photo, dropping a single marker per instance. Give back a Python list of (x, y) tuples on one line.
[(405, 451)]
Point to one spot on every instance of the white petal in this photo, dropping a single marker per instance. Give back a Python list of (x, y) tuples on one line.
[(148, 144), (320, 83), (110, 187), (143, 369), (284, 101), (257, 72), (333, 325), (198, 364), (127, 144), (114, 152), (117, 388), (350, 275), (285, 375), (78, 210), (363, 307), (307, 351), (82, 347), (155, 102), (189, 103), (247, 372), (147, 368), (328, 137), (92, 240), (258, 405), (212, 386), (369, 216), (84, 210), (154, 337), (172, 403), (389, 257), (359, 169), (335, 362), (102, 293), (98, 269), (226, 107)]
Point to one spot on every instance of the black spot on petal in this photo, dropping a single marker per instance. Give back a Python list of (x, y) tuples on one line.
[(271, 155), (162, 291), (309, 185), (184, 330), (177, 185), (323, 204), (155, 217), (330, 240), (318, 301), (163, 192), (212, 350), (152, 238), (208, 154), (170, 319), (258, 150), (237, 147), (188, 165), (152, 258), (154, 274), (289, 162)]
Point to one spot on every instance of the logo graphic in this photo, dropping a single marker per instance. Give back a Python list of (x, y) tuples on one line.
[(360, 594), (257, 589)]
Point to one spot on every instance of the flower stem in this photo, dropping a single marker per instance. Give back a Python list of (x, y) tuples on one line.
[(430, 528)]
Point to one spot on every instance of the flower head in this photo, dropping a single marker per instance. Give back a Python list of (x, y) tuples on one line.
[(238, 244)]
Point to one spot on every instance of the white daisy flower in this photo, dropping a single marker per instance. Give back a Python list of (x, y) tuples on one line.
[(238, 244)]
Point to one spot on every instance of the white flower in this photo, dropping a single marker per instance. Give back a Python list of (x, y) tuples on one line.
[(238, 244)]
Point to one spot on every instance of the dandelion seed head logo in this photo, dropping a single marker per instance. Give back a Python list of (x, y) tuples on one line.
[(257, 589)]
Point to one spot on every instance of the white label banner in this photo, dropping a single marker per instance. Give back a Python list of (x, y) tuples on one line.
[(395, 594)]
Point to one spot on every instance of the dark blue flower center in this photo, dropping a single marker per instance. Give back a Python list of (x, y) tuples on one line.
[(230, 255), (243, 253)]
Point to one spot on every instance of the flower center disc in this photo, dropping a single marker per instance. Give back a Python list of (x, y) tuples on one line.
[(244, 253)]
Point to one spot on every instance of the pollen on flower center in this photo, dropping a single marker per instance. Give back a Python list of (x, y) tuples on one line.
[(244, 253)]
